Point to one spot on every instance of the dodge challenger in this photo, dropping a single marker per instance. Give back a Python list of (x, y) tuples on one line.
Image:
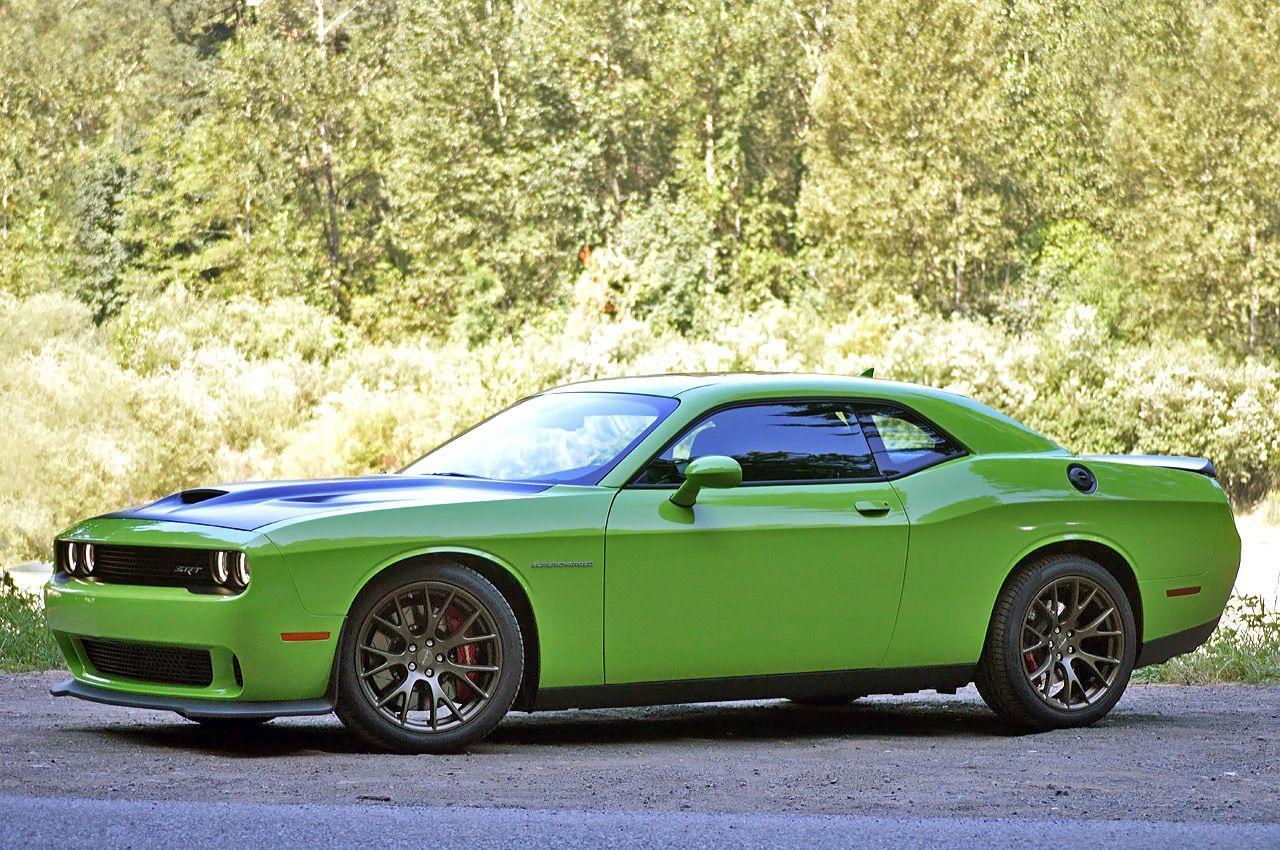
[(665, 539)]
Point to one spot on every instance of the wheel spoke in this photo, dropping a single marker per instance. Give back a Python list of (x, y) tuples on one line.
[(1103, 659), (367, 648), (1081, 609), (1042, 669), (404, 706), (467, 623), (434, 625), (452, 706), (1070, 683), (387, 698), (473, 668), (380, 669), (404, 619), (470, 684)]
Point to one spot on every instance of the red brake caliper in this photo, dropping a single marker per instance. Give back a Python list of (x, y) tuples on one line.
[(466, 654)]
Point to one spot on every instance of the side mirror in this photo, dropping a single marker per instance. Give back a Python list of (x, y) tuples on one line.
[(709, 471)]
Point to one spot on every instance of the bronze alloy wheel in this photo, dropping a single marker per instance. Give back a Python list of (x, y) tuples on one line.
[(1072, 643), (428, 657), (1060, 646)]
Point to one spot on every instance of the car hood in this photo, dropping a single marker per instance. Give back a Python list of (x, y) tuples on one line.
[(253, 505)]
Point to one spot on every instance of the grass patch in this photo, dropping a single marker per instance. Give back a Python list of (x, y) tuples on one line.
[(25, 641), (1245, 649)]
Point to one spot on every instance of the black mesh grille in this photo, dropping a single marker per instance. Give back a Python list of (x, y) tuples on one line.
[(153, 565), (170, 665)]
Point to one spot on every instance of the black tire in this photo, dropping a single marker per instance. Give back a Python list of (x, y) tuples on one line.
[(360, 716), (1003, 679)]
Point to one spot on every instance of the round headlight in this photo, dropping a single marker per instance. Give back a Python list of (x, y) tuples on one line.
[(73, 559), (241, 568), (87, 559), (221, 569)]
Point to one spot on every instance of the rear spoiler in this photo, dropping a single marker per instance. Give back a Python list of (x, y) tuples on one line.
[(1202, 465)]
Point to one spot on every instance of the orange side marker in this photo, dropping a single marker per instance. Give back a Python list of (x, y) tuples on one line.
[(292, 636)]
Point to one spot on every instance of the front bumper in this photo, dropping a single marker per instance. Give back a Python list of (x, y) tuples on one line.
[(251, 661), (190, 707)]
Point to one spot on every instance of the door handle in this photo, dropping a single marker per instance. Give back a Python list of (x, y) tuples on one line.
[(872, 508)]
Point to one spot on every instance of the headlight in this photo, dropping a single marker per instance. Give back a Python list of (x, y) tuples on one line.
[(221, 568), (76, 559), (242, 569), (231, 570)]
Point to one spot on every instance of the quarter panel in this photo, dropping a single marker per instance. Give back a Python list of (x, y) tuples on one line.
[(973, 520)]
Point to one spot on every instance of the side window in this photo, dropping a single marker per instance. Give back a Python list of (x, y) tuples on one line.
[(904, 443), (791, 441)]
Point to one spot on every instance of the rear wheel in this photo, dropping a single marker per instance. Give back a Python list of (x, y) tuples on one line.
[(1060, 647), (431, 660)]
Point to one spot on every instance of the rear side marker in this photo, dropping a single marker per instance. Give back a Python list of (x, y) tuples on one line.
[(292, 636), (1182, 591)]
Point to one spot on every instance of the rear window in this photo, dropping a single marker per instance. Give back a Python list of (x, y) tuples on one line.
[(903, 442)]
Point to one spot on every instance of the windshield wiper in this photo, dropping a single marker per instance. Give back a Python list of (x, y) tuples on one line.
[(457, 475)]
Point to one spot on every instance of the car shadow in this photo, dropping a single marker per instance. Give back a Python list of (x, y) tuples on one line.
[(754, 721), (748, 721)]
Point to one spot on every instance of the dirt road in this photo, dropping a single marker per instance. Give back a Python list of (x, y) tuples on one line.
[(1203, 755)]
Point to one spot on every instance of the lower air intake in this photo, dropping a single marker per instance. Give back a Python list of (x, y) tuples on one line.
[(144, 662)]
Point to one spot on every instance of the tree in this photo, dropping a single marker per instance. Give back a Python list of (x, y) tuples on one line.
[(908, 186), (1195, 151)]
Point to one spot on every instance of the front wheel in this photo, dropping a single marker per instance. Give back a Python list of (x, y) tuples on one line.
[(1060, 647), (431, 659)]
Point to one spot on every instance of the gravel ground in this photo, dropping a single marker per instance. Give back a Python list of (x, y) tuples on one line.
[(1166, 754)]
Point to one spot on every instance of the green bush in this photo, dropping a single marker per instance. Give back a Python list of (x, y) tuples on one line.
[(1245, 649), (25, 641), (175, 392)]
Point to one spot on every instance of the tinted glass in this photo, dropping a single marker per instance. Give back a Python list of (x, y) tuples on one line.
[(809, 441), (909, 443), (563, 438)]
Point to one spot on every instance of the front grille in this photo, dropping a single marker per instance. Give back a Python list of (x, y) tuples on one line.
[(169, 665), (153, 565)]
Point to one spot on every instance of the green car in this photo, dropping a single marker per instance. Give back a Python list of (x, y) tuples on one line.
[(667, 539)]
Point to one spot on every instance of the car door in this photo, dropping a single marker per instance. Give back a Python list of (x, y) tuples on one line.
[(798, 569)]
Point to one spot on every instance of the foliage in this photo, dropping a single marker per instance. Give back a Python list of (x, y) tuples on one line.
[(1245, 649), (410, 166), (297, 237), (25, 642), (175, 391)]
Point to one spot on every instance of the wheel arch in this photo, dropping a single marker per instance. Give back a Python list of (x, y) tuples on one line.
[(502, 576), (1106, 554)]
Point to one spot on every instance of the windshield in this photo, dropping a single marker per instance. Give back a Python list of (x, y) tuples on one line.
[(561, 438)]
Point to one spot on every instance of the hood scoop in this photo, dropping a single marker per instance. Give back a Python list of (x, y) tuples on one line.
[(202, 494)]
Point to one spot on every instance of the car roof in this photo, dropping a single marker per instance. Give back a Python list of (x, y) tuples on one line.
[(981, 428)]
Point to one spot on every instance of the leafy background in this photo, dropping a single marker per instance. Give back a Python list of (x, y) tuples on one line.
[(283, 238)]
